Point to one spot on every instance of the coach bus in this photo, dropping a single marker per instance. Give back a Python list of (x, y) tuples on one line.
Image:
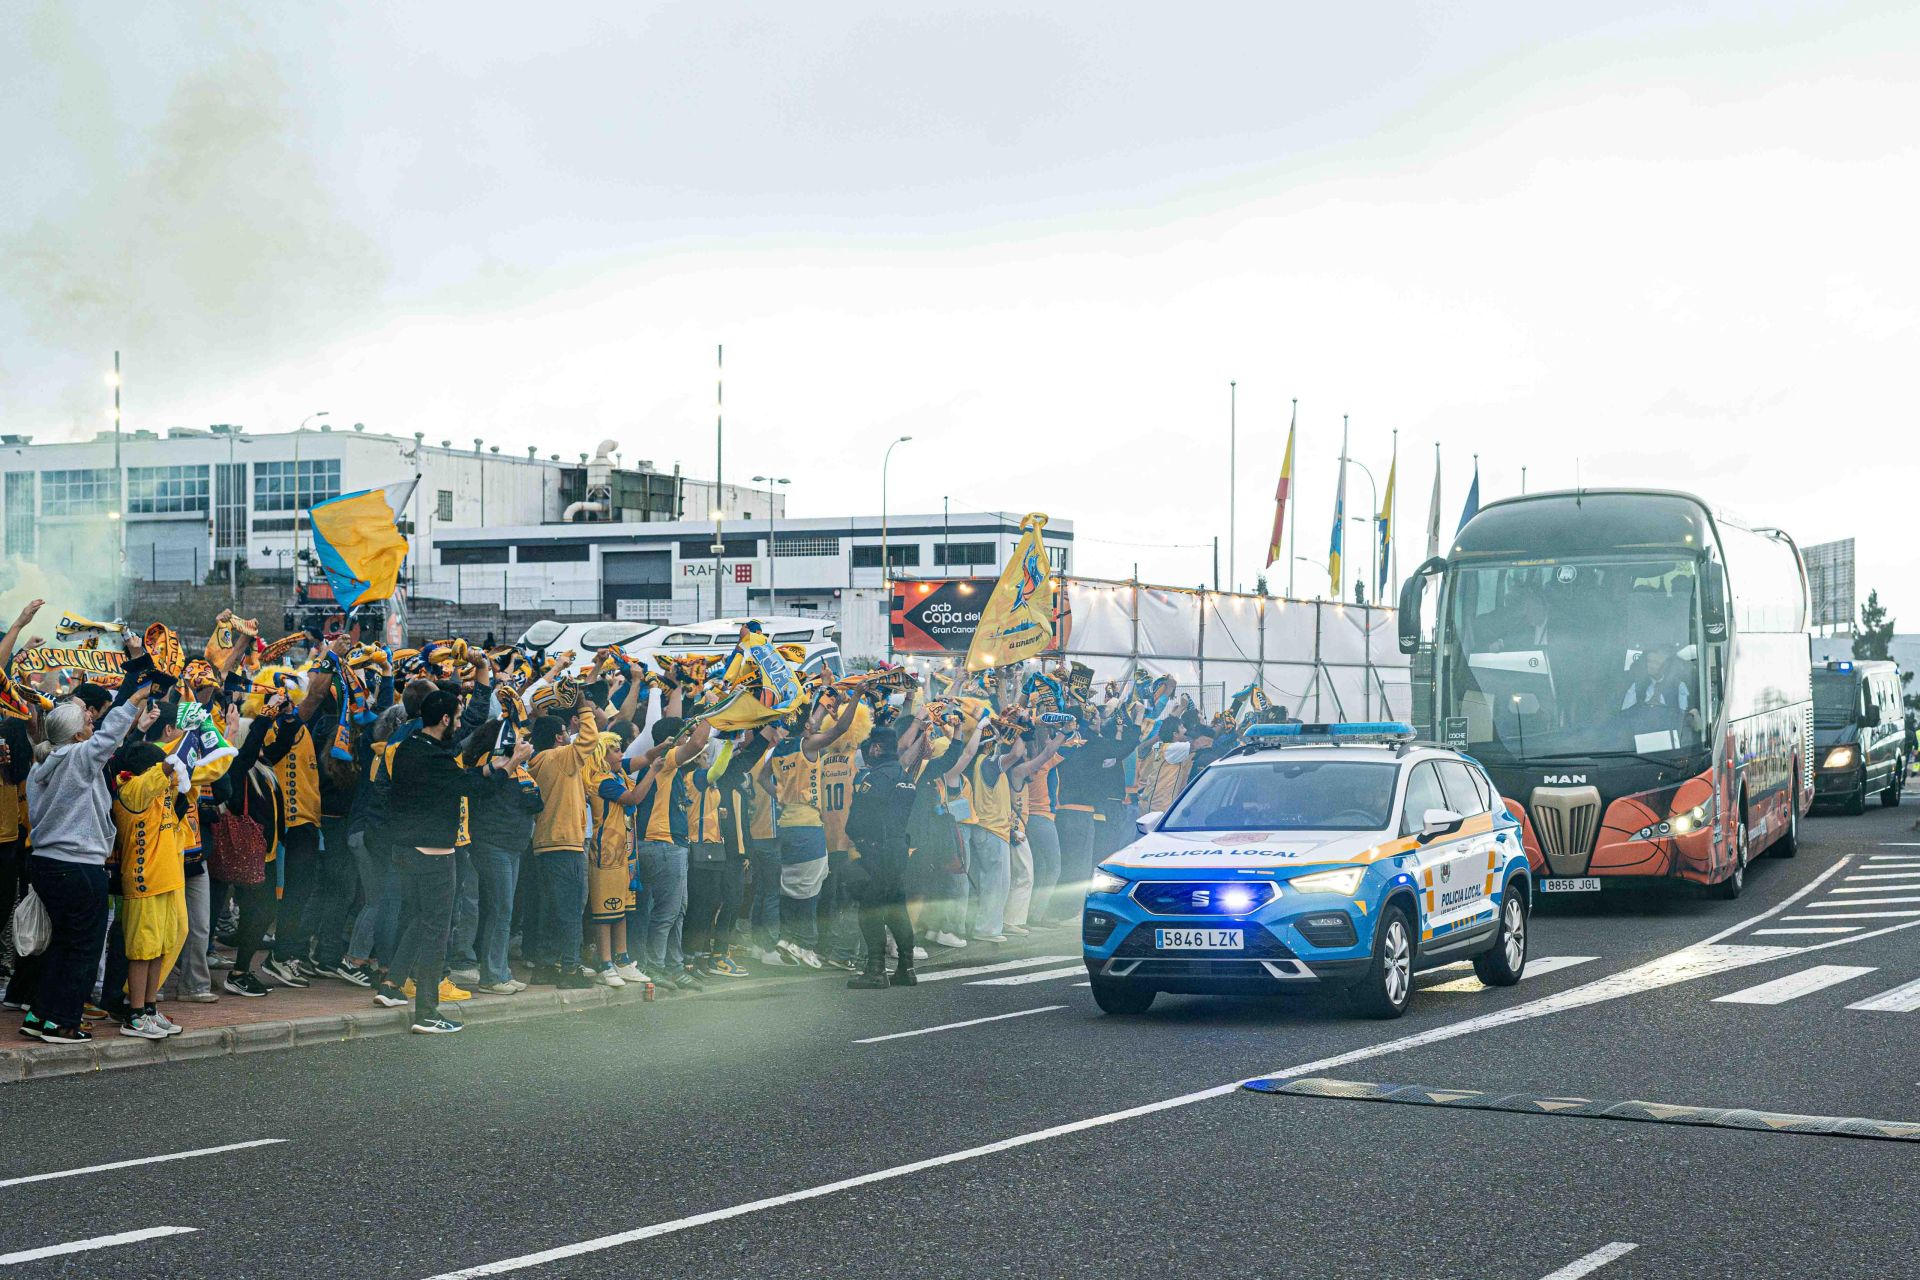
[(1632, 668)]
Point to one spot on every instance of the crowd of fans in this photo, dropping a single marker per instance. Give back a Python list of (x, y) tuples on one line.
[(431, 824)]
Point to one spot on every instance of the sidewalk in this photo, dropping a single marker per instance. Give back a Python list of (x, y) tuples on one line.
[(331, 1011)]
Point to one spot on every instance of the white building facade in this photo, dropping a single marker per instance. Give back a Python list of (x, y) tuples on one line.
[(196, 500), (666, 572)]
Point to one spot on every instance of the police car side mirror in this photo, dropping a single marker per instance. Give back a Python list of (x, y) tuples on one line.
[(1435, 823), (1871, 718), (1148, 822)]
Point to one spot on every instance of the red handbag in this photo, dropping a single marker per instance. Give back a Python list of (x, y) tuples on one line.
[(236, 850)]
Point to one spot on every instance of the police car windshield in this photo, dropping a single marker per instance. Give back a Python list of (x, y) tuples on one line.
[(1287, 795)]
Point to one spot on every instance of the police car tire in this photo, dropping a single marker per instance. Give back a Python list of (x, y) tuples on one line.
[(1491, 966), (1121, 997), (1370, 995)]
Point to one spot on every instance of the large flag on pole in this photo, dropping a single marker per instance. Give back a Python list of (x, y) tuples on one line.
[(1017, 622), (357, 537), (1472, 508), (1334, 557), (1383, 521), (1280, 501), (1433, 508)]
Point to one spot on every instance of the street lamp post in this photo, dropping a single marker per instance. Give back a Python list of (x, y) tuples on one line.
[(1310, 560), (119, 505), (886, 568), (235, 492), (770, 481)]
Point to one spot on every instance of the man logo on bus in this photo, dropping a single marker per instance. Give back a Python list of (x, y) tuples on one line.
[(1563, 780)]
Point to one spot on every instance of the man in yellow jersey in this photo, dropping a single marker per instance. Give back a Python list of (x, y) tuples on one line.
[(1035, 777), (795, 782), (611, 896), (560, 831), (661, 854), (763, 850), (988, 832), (840, 899), (298, 772)]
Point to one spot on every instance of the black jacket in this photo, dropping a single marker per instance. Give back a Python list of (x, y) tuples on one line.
[(503, 810), (883, 799), (428, 793)]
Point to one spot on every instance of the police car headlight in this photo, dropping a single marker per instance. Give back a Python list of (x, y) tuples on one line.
[(1104, 881), (1342, 882), (1838, 758)]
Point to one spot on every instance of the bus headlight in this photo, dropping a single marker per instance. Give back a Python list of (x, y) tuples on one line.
[(1342, 882), (1838, 758), (1686, 822), (1104, 881)]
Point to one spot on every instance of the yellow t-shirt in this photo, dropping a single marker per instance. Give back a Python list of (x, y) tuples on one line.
[(560, 773), (836, 791), (612, 841), (703, 814), (796, 780), (992, 804), (1039, 798), (299, 774), (147, 835), (660, 805), (761, 828)]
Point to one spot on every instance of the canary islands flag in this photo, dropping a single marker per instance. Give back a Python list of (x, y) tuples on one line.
[(357, 537)]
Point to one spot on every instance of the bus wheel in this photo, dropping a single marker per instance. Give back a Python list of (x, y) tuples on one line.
[(1387, 989), (1789, 844), (1730, 887)]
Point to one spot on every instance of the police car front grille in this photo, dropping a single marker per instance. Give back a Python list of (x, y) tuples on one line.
[(1260, 945), (1201, 897)]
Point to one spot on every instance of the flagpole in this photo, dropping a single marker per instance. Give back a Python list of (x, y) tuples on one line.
[(1393, 548), (1233, 447), (1293, 516)]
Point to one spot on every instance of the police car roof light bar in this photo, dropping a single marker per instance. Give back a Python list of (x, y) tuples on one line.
[(1359, 731)]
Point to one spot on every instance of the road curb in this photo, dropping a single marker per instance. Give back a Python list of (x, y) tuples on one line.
[(112, 1051)]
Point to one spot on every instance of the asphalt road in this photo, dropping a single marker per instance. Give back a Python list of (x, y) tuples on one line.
[(768, 1130)]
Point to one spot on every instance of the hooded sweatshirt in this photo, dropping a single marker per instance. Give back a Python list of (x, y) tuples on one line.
[(67, 794)]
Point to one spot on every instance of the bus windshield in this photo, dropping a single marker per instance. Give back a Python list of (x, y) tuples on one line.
[(1836, 699), (1288, 795), (1574, 658)]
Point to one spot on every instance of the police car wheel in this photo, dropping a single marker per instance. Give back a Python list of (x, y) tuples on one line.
[(1120, 997), (1387, 989), (1502, 964)]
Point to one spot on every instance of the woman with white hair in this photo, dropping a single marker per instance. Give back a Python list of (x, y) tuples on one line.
[(71, 810)]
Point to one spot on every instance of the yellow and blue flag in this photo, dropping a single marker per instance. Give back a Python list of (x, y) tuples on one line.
[(1017, 622), (1383, 524), (1335, 556), (358, 540)]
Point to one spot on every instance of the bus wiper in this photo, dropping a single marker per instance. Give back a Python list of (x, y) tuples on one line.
[(1609, 755)]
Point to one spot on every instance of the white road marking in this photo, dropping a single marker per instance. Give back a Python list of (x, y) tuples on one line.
[(1592, 1262), (1795, 985), (1857, 915), (1851, 928), (92, 1243), (1902, 999), (1911, 883), (1021, 979), (1897, 844), (1697, 961), (1535, 969), (1890, 875), (128, 1164), (1860, 902), (941, 975), (954, 1026)]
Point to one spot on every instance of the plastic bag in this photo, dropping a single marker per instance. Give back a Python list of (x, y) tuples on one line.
[(32, 929)]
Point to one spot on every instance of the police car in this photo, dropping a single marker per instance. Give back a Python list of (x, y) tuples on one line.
[(1313, 857)]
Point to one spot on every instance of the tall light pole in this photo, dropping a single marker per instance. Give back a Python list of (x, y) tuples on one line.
[(1233, 467), (1373, 551), (719, 441), (237, 512), (297, 431), (770, 481), (119, 516), (886, 568)]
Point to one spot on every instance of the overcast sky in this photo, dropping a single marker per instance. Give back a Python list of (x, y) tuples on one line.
[(1644, 244)]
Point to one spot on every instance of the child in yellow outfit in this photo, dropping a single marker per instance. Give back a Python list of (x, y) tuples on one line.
[(152, 796)]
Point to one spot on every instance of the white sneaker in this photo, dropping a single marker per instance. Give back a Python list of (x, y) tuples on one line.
[(893, 948), (989, 937), (143, 1028), (810, 958), (166, 1024), (919, 953), (1019, 930), (607, 977), (769, 956), (793, 953), (201, 997), (517, 985), (631, 972)]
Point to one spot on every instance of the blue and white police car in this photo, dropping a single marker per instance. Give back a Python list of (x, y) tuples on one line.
[(1313, 857)]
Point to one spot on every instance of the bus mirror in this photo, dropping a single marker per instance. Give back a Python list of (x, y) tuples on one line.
[(1713, 601)]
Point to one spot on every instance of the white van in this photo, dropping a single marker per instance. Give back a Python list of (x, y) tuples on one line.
[(714, 639)]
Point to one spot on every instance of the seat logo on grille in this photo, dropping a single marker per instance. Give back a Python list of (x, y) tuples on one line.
[(1203, 897)]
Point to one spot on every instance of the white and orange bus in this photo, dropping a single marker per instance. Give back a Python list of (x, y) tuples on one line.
[(1632, 668)]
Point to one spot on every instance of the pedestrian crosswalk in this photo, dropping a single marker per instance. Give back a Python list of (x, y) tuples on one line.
[(1876, 893)]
